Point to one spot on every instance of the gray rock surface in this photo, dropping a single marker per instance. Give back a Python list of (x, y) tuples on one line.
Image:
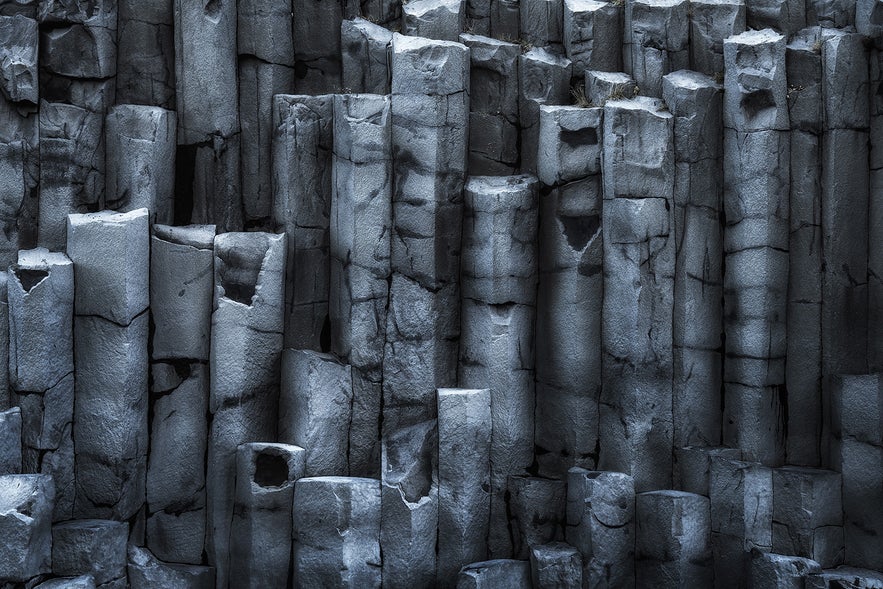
[(656, 41), (364, 48), (541, 22), (260, 547), (342, 550), (464, 470), (147, 572), (692, 466), (601, 525), (592, 32), (538, 510), (556, 566), (808, 514), (601, 86), (495, 573), (26, 502), (10, 441), (775, 571), (785, 16), (848, 576), (302, 188), (140, 144), (434, 19), (81, 582), (543, 78), (90, 546), (673, 542), (19, 78), (146, 53), (316, 410), (361, 219), (712, 21), (317, 48)]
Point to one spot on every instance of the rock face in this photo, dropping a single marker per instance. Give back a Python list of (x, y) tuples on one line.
[(26, 505), (91, 546)]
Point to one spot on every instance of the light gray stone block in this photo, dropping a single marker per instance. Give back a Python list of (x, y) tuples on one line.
[(181, 289), (361, 219), (259, 82), (92, 546), (542, 22), (81, 582), (260, 548), (556, 566), (601, 86), (656, 41), (364, 48), (19, 78), (639, 264), (859, 578), (146, 53), (692, 466), (10, 441), (71, 167), (409, 509), (544, 77), (316, 409), (569, 143), (592, 32), (495, 573), (25, 526), (264, 30), (712, 21), (338, 551), (775, 571), (20, 174), (464, 469), (175, 481), (140, 144), (146, 572), (673, 543), (82, 48), (110, 252), (493, 105), (808, 514), (302, 193), (434, 19), (110, 416), (205, 71), (785, 16), (246, 346), (755, 88), (537, 507), (601, 525)]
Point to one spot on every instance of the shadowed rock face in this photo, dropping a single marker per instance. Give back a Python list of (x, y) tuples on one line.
[(441, 293)]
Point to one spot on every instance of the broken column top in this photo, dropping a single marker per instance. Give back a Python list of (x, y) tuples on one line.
[(249, 270), (198, 236), (428, 66), (570, 143), (81, 582), (273, 466), (41, 259), (18, 58), (603, 86), (755, 86)]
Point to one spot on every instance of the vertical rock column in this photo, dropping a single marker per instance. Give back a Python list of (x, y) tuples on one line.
[(695, 101), (656, 41), (541, 22), (110, 252), (538, 508), (601, 525), (803, 368), (260, 547), (858, 414), (19, 136), (181, 289), (146, 53), (302, 184), (10, 441), (430, 104), (246, 345), (844, 204), (493, 106), (712, 21), (434, 19), (498, 312), (568, 330), (266, 68), (336, 531), (316, 37), (543, 78), (464, 456), (875, 214), (26, 524), (364, 50), (41, 361), (639, 267), (141, 160), (756, 242), (206, 93), (593, 35), (361, 223)]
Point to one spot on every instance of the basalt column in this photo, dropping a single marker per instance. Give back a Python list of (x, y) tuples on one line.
[(430, 109), (146, 53), (246, 345), (302, 149), (656, 41), (266, 68), (498, 307), (875, 215), (593, 35), (181, 287), (316, 37), (110, 252), (41, 362), (639, 268), (207, 91), (756, 242), (568, 330), (695, 101), (361, 222), (712, 21)]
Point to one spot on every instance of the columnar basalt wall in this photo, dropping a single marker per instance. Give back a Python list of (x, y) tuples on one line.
[(492, 294)]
